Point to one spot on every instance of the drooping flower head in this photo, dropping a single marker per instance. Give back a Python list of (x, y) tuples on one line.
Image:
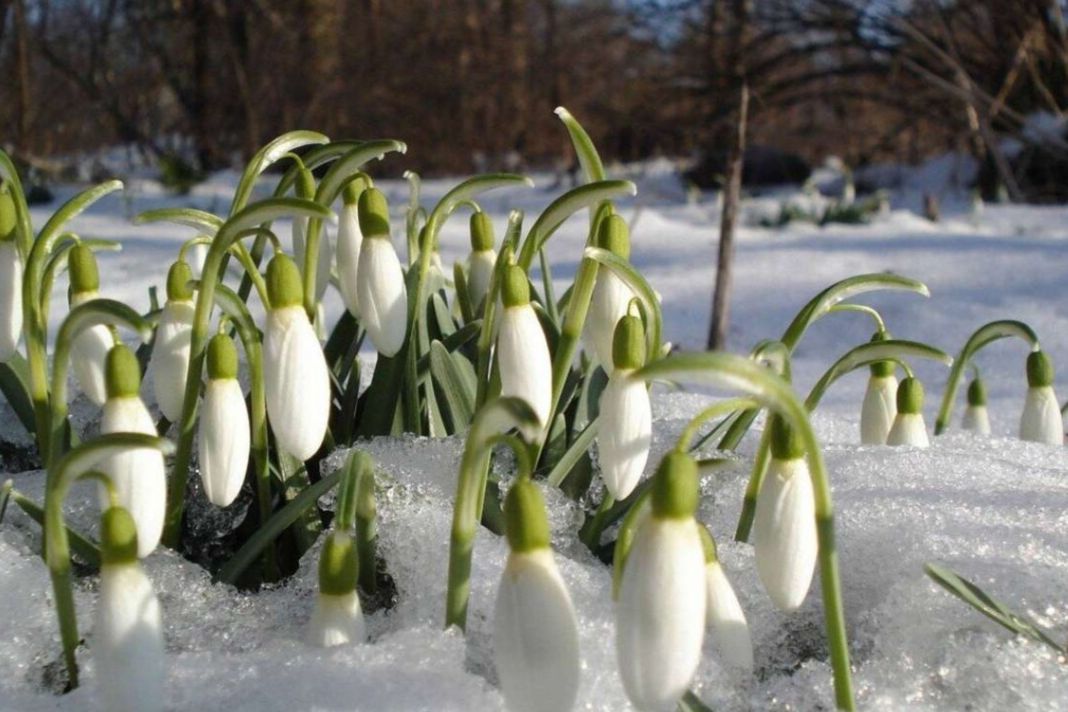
[(726, 619), (338, 618), (349, 245), (170, 351), (1041, 419), (482, 260), (91, 346), (522, 351), (10, 279), (626, 429), (976, 417), (383, 298), (611, 296), (909, 426), (224, 432), (880, 400)]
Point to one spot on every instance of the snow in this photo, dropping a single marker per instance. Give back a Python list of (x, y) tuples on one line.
[(995, 510)]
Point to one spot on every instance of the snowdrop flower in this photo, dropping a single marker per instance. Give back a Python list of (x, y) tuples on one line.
[(626, 417), (170, 351), (127, 643), (295, 375), (90, 348), (482, 260), (338, 618), (611, 296), (535, 634), (522, 352), (1041, 420), (784, 529), (660, 619), (10, 280), (382, 298), (137, 475), (349, 242), (909, 427), (976, 417), (224, 431), (726, 619), (880, 401)]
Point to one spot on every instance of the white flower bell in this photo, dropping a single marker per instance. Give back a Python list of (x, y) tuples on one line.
[(976, 418), (784, 529), (909, 426), (10, 280), (535, 634), (726, 620), (880, 401), (482, 261), (660, 618), (1041, 420), (170, 350), (626, 429), (137, 475), (522, 352), (338, 618), (127, 642), (223, 433), (90, 349), (349, 245), (382, 296), (295, 375), (611, 296)]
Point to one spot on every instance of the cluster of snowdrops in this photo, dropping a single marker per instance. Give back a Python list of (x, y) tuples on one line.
[(483, 351)]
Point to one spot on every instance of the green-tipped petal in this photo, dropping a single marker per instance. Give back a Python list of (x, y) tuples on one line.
[(614, 236), (515, 288), (178, 278), (481, 232), (374, 213), (910, 396), (675, 492), (84, 276), (785, 442), (339, 565), (628, 343), (222, 357), (122, 373), (118, 537), (1039, 370), (285, 288), (525, 521)]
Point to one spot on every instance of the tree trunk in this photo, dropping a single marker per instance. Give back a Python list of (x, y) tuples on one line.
[(717, 332)]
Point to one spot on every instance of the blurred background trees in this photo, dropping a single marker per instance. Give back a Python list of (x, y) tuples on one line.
[(471, 84)]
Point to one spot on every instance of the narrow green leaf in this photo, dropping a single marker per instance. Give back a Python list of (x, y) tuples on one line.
[(75, 206), (573, 454), (455, 377), (200, 220), (587, 154), (15, 385), (564, 207), (869, 353), (266, 156)]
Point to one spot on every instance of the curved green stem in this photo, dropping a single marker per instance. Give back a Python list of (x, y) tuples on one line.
[(715, 410), (876, 317), (986, 334), (625, 538)]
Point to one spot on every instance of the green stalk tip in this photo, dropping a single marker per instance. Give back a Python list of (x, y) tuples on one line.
[(976, 392), (515, 288), (305, 184), (222, 357), (910, 396), (118, 537), (122, 373), (339, 565), (84, 276), (1039, 370), (675, 490), (614, 236), (374, 213), (178, 278), (525, 522), (285, 287), (481, 232), (786, 443), (628, 343)]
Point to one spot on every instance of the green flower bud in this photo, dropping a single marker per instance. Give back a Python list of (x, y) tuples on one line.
[(178, 278), (374, 213), (339, 565), (305, 184), (222, 357), (910, 396), (785, 442), (118, 537), (515, 289), (675, 488), (614, 235), (84, 276), (1039, 370), (481, 232), (881, 369), (628, 343), (976, 392), (122, 373), (709, 545), (284, 285), (525, 522), (8, 216)]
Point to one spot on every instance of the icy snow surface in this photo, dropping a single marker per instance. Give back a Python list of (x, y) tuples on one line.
[(995, 510)]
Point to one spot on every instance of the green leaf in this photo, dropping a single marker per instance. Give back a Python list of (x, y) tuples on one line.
[(455, 377), (15, 385), (990, 607), (199, 220), (564, 207), (268, 155), (76, 206), (587, 154), (270, 209), (349, 164), (86, 550), (573, 454)]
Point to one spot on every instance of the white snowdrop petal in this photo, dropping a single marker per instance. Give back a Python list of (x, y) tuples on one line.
[(10, 299), (535, 636), (625, 433), (730, 630), (138, 475), (479, 275), (608, 305), (336, 620), (127, 642), (661, 613), (1041, 420), (349, 244), (878, 411), (382, 299), (223, 441), (784, 532), (526, 369), (908, 429), (296, 381), (88, 352), (170, 357), (976, 419)]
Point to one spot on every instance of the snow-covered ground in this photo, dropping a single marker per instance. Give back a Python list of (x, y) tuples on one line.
[(996, 510)]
